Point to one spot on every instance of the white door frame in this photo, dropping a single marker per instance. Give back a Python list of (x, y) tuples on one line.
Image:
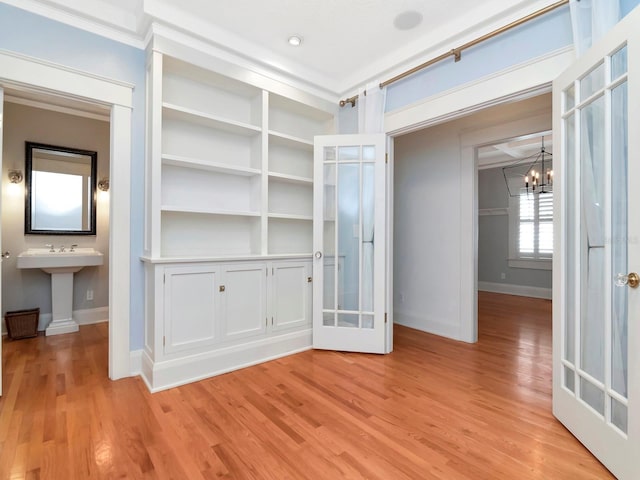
[(32, 74), (513, 84)]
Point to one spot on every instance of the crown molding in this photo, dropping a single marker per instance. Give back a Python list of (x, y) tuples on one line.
[(238, 50), (166, 39), (104, 29)]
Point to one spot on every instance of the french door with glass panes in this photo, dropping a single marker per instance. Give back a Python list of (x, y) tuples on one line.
[(596, 312), (349, 231)]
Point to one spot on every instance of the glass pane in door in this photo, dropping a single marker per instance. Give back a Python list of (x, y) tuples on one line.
[(572, 207), (619, 229), (348, 221), (592, 82), (592, 261), (619, 63), (571, 174), (619, 415), (329, 240), (592, 395), (368, 234)]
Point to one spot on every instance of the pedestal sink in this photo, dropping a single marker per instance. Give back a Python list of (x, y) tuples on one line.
[(61, 266)]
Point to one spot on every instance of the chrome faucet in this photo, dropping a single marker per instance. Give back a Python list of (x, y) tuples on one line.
[(73, 247), (50, 245), (61, 248)]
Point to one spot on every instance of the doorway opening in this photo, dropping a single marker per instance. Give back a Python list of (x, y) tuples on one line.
[(436, 214), (515, 217), (25, 74), (65, 124)]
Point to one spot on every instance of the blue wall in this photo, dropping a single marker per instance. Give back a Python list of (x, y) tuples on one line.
[(533, 39), (627, 5), (39, 37)]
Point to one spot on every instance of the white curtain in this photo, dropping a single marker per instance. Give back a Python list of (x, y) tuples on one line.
[(371, 103), (371, 100), (591, 19)]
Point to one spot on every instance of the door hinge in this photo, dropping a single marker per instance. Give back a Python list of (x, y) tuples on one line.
[(272, 321), (385, 317), (266, 322), (309, 279), (164, 341), (164, 278), (386, 158), (273, 271)]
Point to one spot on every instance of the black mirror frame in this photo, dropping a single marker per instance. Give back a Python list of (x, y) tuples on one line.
[(29, 146)]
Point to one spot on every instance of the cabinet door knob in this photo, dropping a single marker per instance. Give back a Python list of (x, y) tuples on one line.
[(318, 254), (222, 288), (6, 254)]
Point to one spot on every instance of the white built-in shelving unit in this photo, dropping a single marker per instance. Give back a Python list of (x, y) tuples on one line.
[(236, 166), (229, 215)]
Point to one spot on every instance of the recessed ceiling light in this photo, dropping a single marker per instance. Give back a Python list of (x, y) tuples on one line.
[(407, 20), (295, 40)]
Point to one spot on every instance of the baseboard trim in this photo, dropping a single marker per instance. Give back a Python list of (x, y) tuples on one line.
[(165, 374), (427, 323), (90, 316), (519, 290)]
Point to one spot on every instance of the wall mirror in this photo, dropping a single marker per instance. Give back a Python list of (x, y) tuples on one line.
[(60, 190)]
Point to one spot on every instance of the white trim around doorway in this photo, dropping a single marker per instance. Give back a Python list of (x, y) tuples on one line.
[(32, 74), (516, 83)]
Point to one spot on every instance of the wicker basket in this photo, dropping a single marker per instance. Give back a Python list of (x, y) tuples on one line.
[(22, 323)]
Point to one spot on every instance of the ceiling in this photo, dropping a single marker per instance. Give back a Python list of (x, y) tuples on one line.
[(514, 150), (346, 43)]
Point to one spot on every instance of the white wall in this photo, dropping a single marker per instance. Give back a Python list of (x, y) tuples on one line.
[(32, 288), (430, 241)]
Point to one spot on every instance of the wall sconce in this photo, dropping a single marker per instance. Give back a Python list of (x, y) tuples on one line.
[(104, 184), (15, 176)]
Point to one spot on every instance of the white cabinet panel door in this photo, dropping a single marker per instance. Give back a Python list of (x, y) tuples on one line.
[(291, 295), (596, 318), (245, 300), (191, 308)]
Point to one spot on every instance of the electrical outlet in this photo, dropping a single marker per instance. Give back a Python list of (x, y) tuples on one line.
[(89, 294), (503, 276)]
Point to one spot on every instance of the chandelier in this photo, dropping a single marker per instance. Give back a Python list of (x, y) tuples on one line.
[(532, 174)]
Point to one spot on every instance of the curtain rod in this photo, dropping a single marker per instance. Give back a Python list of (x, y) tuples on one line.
[(457, 52)]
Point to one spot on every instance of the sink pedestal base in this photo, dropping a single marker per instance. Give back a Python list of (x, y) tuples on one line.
[(62, 304), (58, 327)]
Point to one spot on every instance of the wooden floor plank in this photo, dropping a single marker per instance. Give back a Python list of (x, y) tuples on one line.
[(433, 409)]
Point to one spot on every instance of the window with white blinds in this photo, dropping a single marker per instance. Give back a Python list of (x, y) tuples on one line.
[(535, 226)]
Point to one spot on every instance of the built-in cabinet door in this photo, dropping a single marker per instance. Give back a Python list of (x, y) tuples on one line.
[(290, 295), (191, 307), (244, 300)]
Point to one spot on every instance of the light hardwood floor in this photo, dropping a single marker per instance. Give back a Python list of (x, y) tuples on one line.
[(434, 408)]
